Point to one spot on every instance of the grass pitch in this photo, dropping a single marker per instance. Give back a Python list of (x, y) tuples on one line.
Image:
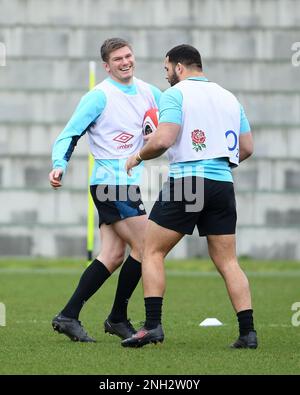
[(34, 291)]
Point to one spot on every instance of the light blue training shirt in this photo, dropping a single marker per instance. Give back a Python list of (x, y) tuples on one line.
[(170, 110), (90, 107)]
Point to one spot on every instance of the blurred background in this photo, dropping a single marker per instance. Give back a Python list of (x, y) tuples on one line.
[(251, 47)]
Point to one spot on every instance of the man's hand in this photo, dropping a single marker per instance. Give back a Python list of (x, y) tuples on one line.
[(55, 178), (131, 162), (147, 137)]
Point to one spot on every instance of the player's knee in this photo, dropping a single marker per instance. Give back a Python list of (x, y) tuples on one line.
[(155, 253), (137, 249), (113, 258), (118, 257), (226, 266), (137, 253)]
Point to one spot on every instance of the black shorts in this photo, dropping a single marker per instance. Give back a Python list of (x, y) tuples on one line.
[(208, 204), (117, 202)]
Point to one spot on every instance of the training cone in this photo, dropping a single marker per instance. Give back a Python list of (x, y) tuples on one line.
[(211, 322)]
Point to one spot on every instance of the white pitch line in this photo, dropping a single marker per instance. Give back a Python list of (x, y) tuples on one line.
[(287, 273), (30, 270), (136, 323), (32, 322), (171, 273)]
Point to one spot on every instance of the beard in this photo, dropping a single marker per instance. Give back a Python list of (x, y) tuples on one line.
[(173, 80)]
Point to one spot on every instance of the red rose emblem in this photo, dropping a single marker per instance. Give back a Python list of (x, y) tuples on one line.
[(198, 140), (198, 136)]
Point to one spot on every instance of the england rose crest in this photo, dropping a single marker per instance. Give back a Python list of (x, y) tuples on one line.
[(198, 139)]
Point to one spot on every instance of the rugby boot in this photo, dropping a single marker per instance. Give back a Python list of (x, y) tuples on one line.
[(145, 336), (247, 341), (71, 328), (123, 329)]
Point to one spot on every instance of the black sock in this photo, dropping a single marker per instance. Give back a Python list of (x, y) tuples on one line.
[(91, 280), (153, 307), (129, 277), (245, 319)]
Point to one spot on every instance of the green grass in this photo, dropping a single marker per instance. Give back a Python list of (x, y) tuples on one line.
[(34, 291)]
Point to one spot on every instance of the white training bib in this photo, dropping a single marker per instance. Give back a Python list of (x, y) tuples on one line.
[(210, 123), (117, 133)]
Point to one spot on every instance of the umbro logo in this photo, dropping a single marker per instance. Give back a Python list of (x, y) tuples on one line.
[(123, 137)]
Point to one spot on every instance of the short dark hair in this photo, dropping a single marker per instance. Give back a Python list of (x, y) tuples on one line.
[(110, 45), (185, 54)]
